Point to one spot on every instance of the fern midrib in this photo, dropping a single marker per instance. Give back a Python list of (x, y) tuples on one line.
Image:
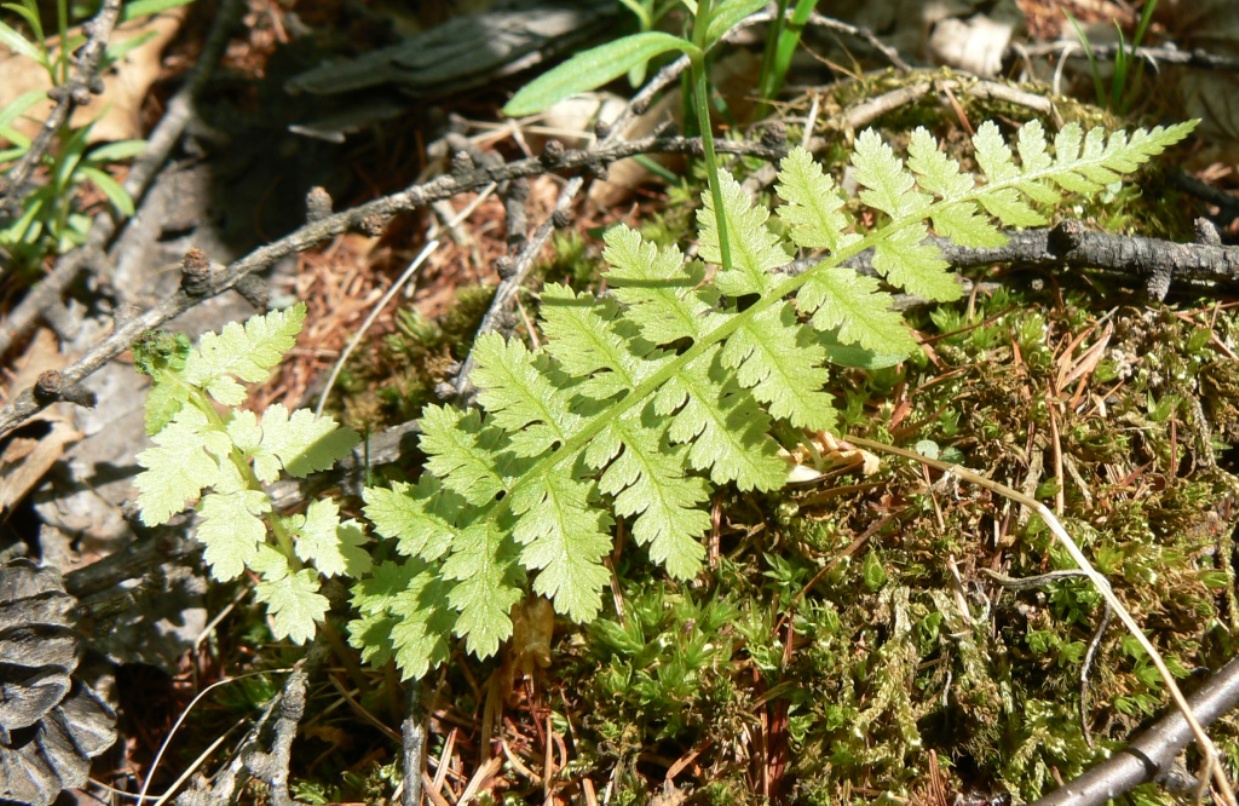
[(572, 446)]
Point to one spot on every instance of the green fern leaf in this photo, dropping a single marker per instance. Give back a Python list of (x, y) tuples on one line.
[(403, 614), (232, 530), (301, 442), (781, 365), (294, 603), (519, 399), (962, 222), (728, 431), (248, 353), (661, 293), (484, 565), (565, 540), (580, 336), (642, 401), (451, 439), (333, 547), (813, 209), (177, 468), (422, 518), (904, 259), (887, 185), (645, 474), (422, 633), (844, 300), (755, 250)]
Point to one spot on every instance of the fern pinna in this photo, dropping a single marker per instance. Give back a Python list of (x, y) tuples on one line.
[(641, 402)]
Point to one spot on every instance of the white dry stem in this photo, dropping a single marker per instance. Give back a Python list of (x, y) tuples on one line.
[(1213, 767)]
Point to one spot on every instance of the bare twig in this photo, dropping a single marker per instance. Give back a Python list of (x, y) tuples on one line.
[(1149, 262), (514, 276), (414, 749), (83, 82), (1150, 755)]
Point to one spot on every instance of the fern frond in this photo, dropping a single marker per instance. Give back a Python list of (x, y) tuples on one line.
[(564, 539), (755, 250), (662, 295), (813, 211), (782, 365), (246, 352), (642, 402), (483, 563), (520, 400), (646, 477)]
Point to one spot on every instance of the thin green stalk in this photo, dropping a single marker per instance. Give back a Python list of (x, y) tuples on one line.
[(701, 99), (62, 25), (765, 79), (780, 50)]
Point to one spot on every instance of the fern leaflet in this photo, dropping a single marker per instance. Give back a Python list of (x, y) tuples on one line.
[(641, 403)]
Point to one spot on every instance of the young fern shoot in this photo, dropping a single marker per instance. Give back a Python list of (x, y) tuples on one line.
[(224, 459), (640, 404)]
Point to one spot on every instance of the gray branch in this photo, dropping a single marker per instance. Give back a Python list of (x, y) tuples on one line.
[(1151, 755)]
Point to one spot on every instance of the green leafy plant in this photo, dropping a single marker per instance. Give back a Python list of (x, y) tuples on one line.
[(223, 459), (1124, 89), (781, 42), (50, 221), (595, 67), (638, 405)]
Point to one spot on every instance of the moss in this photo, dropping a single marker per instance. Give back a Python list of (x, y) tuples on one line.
[(389, 383)]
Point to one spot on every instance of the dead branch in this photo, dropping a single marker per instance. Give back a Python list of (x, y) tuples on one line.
[(77, 91), (272, 767), (1151, 754), (1149, 263)]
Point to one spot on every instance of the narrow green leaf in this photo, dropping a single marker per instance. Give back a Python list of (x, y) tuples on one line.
[(18, 107), (726, 14), (116, 194), (137, 9), (591, 69), (19, 44), (118, 151)]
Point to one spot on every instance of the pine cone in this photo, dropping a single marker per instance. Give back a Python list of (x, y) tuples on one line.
[(51, 723)]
